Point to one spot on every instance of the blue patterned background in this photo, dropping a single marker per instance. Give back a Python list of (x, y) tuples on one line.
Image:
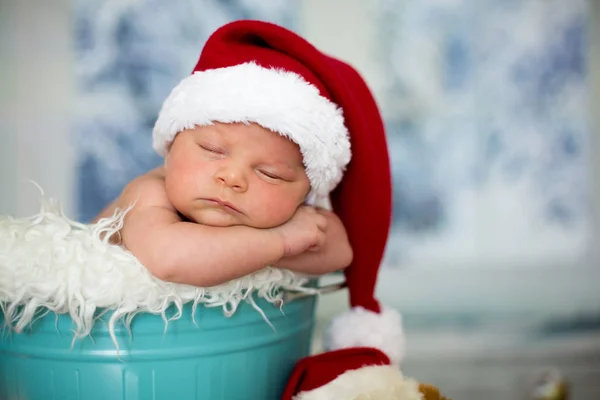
[(487, 110)]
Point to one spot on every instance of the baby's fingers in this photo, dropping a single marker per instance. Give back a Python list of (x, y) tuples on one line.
[(321, 223), (320, 242)]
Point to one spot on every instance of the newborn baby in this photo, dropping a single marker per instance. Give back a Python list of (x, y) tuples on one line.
[(228, 201)]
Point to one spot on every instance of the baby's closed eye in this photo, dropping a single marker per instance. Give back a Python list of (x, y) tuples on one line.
[(270, 175), (211, 148)]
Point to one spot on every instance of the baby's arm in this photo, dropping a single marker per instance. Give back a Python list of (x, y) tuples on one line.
[(333, 254), (190, 253)]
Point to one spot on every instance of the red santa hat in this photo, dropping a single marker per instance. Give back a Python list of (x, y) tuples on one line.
[(252, 71), (349, 374)]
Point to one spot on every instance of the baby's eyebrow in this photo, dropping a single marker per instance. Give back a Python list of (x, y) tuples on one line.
[(287, 165), (211, 133), (283, 167)]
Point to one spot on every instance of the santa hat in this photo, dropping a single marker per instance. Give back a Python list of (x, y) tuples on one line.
[(252, 71), (349, 374)]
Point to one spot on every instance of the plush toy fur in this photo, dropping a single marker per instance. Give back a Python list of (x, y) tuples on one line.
[(374, 382), (431, 392)]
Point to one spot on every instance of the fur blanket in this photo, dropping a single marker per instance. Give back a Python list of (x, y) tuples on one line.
[(49, 263)]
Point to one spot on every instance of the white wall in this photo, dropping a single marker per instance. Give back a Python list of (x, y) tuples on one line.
[(36, 59)]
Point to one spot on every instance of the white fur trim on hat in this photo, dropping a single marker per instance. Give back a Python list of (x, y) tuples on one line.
[(359, 327), (381, 382), (278, 100)]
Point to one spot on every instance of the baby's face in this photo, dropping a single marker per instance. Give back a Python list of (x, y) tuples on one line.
[(235, 174)]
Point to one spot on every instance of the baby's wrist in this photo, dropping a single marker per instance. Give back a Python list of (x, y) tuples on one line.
[(277, 238)]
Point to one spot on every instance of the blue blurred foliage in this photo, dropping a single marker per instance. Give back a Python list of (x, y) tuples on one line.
[(528, 102)]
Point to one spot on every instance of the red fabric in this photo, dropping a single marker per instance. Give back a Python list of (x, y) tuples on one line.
[(363, 198), (266, 44), (316, 371)]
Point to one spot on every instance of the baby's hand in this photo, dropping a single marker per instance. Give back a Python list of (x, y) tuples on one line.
[(304, 231)]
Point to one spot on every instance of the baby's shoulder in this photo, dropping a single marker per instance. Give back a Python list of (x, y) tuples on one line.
[(147, 190)]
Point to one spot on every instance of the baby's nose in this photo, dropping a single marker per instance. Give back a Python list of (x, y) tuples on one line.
[(232, 177)]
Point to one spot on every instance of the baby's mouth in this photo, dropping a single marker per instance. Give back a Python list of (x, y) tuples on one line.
[(225, 204)]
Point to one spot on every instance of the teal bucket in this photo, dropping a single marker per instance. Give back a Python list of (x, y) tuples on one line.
[(237, 357)]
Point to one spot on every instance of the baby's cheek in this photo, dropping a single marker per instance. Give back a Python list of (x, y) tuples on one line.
[(278, 207), (189, 174)]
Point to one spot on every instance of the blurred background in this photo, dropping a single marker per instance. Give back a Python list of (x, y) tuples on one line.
[(492, 112)]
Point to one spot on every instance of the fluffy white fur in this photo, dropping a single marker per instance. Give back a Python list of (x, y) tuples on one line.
[(381, 382), (359, 327), (51, 263), (278, 100)]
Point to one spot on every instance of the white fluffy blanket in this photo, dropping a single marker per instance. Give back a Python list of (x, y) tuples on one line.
[(51, 263)]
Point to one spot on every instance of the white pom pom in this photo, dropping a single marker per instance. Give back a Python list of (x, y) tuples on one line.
[(363, 328)]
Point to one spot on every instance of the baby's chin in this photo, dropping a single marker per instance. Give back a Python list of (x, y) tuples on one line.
[(215, 218), (216, 222), (224, 220), (226, 224)]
